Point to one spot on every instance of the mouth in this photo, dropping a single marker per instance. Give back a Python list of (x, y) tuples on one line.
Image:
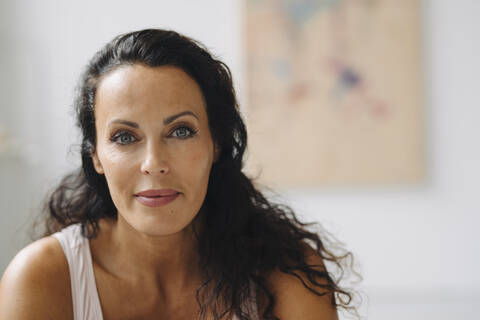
[(156, 201), (158, 197), (156, 193)]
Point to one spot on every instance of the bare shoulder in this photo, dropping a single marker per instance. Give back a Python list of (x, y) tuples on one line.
[(293, 300), (36, 283)]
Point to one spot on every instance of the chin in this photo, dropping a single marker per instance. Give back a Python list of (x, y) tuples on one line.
[(159, 225)]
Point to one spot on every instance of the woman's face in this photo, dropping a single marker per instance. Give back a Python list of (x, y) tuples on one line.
[(152, 133)]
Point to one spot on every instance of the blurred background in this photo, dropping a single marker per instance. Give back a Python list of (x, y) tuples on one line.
[(416, 244)]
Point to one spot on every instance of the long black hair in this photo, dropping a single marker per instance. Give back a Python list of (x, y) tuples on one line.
[(244, 235)]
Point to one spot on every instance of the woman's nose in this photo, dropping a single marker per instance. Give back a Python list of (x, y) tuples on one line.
[(155, 160)]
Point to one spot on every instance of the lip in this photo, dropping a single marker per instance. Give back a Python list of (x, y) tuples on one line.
[(156, 201), (156, 197), (157, 193)]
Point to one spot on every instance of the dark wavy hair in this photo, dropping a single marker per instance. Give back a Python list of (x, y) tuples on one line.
[(244, 236)]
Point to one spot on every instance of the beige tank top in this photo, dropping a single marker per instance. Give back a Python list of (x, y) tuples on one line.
[(86, 303)]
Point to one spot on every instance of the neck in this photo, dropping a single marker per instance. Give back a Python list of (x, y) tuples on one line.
[(169, 262)]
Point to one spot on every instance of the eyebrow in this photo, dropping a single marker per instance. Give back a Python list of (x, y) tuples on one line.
[(165, 121)]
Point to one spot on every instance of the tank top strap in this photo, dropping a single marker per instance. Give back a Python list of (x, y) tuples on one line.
[(86, 303)]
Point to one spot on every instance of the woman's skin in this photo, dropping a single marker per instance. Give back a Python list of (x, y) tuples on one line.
[(153, 248), (145, 262)]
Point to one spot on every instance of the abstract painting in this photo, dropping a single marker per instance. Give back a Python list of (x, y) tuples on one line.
[(334, 92)]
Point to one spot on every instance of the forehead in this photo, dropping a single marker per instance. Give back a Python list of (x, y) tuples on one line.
[(147, 90)]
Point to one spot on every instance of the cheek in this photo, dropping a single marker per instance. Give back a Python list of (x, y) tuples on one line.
[(190, 166), (197, 165), (112, 157), (118, 171)]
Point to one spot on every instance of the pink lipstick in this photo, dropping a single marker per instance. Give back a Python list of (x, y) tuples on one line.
[(156, 198)]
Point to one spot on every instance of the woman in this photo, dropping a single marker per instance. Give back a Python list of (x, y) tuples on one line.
[(160, 222)]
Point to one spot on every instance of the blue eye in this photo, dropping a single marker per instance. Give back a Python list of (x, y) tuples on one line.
[(119, 138), (124, 137), (184, 132)]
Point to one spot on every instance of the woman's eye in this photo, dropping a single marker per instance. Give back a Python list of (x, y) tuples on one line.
[(123, 138), (184, 132)]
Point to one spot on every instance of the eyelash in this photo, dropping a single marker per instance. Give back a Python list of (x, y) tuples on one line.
[(124, 132)]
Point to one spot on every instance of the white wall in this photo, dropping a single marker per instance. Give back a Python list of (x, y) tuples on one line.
[(417, 246), (44, 47)]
